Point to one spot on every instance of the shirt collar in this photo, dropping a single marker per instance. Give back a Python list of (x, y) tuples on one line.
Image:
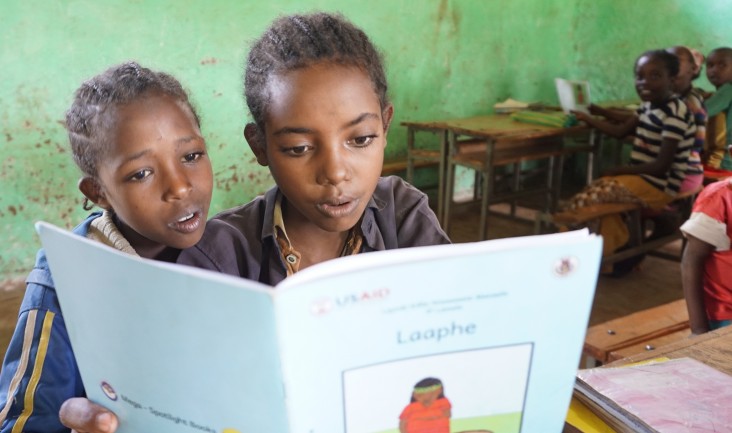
[(291, 258)]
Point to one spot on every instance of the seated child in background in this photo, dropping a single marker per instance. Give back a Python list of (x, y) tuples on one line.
[(716, 159), (317, 91), (694, 99), (699, 61), (316, 87), (664, 133), (428, 410), (137, 140), (706, 265)]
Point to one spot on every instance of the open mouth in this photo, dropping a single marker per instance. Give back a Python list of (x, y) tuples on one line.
[(338, 208), (187, 223), (187, 217)]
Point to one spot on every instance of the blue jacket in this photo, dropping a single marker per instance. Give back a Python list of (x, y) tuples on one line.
[(39, 372)]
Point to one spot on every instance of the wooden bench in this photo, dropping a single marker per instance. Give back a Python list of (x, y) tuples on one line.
[(649, 345), (398, 166), (639, 243), (635, 332)]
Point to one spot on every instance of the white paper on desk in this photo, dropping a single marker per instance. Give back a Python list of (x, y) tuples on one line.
[(573, 95)]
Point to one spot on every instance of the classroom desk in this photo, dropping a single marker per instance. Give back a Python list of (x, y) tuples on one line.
[(494, 129), (713, 348)]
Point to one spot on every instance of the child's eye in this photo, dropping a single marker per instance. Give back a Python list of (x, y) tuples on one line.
[(362, 141), (140, 175), (193, 156), (296, 150)]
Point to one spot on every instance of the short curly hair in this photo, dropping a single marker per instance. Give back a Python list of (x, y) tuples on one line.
[(298, 41), (90, 117), (669, 60)]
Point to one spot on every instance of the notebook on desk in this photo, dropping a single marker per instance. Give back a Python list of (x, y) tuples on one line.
[(341, 346), (574, 95), (665, 396)]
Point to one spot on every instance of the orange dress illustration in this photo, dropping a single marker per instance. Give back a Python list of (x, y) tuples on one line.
[(429, 411)]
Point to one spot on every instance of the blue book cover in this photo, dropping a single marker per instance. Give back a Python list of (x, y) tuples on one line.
[(475, 337)]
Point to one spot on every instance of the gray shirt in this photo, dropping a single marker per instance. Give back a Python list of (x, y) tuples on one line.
[(241, 241)]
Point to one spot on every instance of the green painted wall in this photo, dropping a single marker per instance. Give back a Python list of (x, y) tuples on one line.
[(444, 58)]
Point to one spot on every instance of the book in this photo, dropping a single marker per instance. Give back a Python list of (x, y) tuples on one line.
[(337, 347), (668, 396), (511, 105), (574, 95)]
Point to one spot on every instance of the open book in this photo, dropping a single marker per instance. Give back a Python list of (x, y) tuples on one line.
[(573, 95), (338, 347), (679, 395)]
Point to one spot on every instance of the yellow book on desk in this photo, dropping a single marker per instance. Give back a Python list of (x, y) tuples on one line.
[(680, 395), (556, 119)]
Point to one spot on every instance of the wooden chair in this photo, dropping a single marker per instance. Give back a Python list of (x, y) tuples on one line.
[(506, 151), (435, 156), (424, 156)]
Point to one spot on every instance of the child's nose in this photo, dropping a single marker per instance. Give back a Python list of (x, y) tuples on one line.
[(177, 185), (334, 165)]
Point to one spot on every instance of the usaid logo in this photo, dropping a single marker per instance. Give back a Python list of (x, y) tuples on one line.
[(325, 305)]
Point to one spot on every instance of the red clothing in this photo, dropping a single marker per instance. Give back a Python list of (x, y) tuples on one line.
[(423, 419), (711, 222)]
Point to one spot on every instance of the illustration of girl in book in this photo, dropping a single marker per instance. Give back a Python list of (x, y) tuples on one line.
[(429, 411)]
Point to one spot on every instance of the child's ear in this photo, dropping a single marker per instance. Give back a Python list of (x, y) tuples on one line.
[(256, 141), (93, 191), (386, 116)]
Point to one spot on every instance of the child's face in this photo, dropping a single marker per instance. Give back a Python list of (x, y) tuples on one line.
[(427, 398), (719, 68), (683, 80), (652, 80), (156, 175), (325, 135)]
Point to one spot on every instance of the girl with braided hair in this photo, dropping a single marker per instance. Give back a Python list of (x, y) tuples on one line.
[(137, 140)]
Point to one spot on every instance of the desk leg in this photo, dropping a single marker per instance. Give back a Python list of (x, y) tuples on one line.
[(593, 160), (446, 146), (410, 157), (441, 180), (487, 189), (556, 187)]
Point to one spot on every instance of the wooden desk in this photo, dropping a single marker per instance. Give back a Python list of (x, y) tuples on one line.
[(494, 129), (713, 348)]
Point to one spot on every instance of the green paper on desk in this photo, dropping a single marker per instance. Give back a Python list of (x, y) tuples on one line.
[(556, 119)]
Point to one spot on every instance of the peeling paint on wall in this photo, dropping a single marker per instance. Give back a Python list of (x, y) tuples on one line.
[(445, 58)]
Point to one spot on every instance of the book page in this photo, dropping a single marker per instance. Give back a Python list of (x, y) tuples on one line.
[(499, 323), (573, 95), (168, 348), (340, 347)]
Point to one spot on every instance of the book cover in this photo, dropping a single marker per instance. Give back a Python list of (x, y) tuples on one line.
[(668, 396), (574, 95), (342, 346)]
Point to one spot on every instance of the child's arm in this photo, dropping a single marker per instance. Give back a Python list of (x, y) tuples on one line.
[(692, 279), (658, 167), (614, 115), (39, 371), (83, 416), (617, 130)]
